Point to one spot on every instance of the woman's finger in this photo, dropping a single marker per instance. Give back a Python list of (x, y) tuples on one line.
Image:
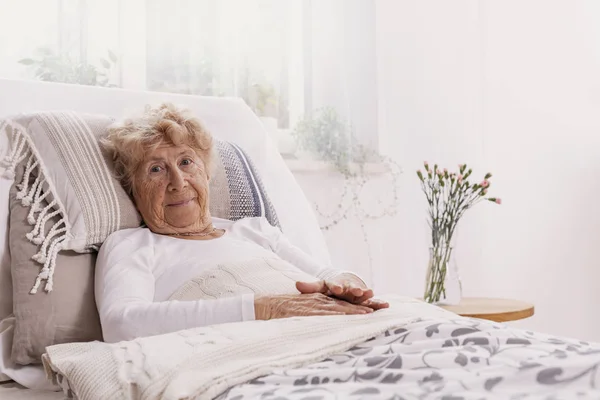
[(335, 289), (376, 304), (352, 308), (367, 294), (312, 287), (325, 312)]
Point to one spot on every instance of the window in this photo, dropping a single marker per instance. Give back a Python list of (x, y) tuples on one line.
[(285, 58)]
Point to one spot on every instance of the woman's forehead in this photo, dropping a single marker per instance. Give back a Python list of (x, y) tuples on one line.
[(167, 150)]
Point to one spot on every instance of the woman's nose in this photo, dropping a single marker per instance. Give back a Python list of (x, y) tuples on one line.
[(176, 179)]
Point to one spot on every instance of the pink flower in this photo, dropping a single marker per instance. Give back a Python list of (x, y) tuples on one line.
[(484, 184), (445, 170), (439, 172), (460, 178), (425, 163), (498, 201), (461, 166)]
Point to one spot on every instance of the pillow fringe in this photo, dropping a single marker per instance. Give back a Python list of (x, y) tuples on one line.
[(26, 196), (32, 195), (18, 153), (37, 200)]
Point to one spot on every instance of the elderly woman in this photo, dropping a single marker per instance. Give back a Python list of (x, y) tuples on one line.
[(164, 162)]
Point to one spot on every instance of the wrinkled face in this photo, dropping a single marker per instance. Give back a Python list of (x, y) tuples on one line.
[(170, 189)]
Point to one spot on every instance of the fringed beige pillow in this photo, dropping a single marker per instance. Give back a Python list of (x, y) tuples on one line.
[(74, 177)]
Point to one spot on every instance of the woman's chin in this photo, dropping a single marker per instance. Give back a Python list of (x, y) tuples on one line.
[(179, 219)]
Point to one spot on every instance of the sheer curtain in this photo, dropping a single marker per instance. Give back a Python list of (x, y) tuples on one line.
[(286, 58), (306, 67)]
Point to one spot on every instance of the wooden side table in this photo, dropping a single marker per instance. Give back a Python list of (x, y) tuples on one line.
[(499, 310)]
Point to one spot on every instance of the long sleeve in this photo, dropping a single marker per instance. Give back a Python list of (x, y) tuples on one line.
[(125, 292), (280, 245)]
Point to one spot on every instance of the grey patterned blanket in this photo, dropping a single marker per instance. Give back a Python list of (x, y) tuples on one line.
[(412, 350), (448, 359)]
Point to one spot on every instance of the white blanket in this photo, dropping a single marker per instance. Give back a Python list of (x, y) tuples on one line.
[(204, 362)]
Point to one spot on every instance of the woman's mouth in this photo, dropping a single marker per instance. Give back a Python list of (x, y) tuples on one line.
[(180, 203)]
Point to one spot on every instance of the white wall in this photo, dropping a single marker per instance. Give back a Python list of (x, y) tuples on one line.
[(512, 87)]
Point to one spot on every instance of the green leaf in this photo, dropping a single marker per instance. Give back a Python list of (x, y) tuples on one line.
[(27, 61), (104, 63), (112, 56)]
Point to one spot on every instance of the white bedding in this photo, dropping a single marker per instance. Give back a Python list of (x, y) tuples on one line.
[(411, 351), (204, 362)]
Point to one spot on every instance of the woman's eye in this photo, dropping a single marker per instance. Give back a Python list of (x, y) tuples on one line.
[(155, 169), (186, 161)]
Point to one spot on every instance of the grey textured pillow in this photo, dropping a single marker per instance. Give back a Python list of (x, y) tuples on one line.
[(236, 190), (46, 318)]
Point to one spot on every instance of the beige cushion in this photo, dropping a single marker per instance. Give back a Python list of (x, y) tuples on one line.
[(61, 153), (67, 314)]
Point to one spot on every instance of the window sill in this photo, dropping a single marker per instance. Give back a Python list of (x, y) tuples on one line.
[(302, 163), (297, 165)]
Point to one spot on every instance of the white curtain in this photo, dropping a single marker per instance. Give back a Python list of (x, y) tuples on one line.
[(286, 58)]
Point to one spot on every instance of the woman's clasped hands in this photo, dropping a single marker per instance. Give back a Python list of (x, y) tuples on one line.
[(338, 296)]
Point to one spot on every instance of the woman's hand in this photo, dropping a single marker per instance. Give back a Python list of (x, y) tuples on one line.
[(304, 305), (344, 287)]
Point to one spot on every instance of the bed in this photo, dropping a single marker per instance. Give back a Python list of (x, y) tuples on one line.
[(412, 350)]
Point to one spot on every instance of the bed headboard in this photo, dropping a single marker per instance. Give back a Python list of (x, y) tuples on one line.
[(227, 118)]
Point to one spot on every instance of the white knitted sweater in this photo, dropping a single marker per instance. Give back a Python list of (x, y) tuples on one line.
[(257, 276), (201, 363)]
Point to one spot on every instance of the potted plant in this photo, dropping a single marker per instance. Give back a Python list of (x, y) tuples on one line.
[(326, 136), (51, 67)]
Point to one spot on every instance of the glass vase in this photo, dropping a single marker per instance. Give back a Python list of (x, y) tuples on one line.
[(442, 283)]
